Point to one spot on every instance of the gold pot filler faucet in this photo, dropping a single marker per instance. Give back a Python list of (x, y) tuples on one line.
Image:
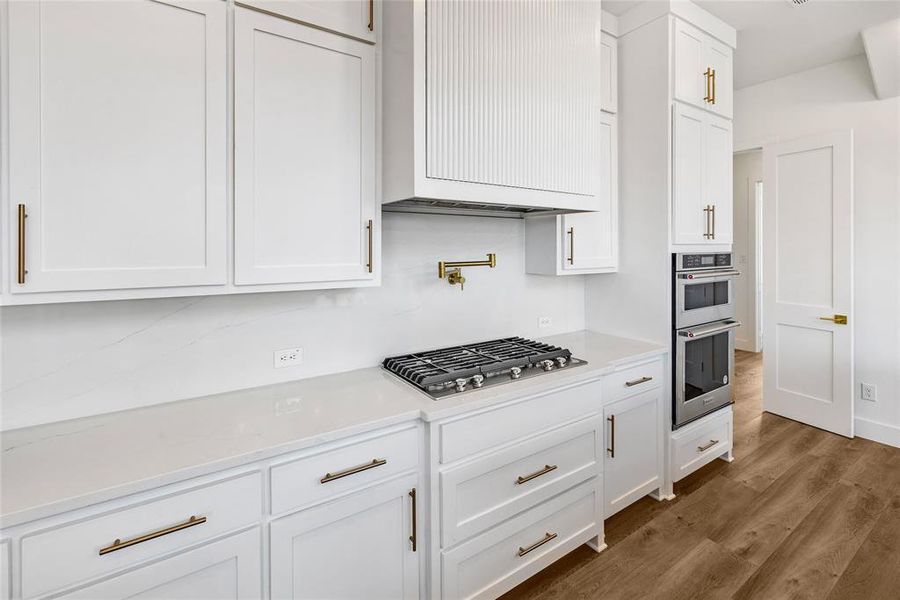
[(454, 274)]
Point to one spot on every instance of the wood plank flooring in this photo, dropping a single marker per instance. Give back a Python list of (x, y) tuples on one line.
[(800, 513)]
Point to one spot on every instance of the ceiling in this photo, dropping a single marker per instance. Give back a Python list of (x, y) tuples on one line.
[(776, 37)]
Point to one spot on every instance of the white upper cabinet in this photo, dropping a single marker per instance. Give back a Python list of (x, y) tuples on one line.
[(494, 103), (355, 18), (703, 70), (305, 141), (117, 145), (702, 172), (609, 77)]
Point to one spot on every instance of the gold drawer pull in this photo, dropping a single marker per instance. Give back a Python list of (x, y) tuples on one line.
[(547, 468), (612, 436), (547, 537), (370, 231), (119, 544), (414, 537), (376, 462), (635, 382), (706, 447), (371, 15), (571, 233), (20, 275)]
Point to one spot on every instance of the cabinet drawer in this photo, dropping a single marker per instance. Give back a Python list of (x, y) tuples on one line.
[(71, 553), (632, 380), (700, 443), (480, 494), (499, 559), (312, 478), (469, 435)]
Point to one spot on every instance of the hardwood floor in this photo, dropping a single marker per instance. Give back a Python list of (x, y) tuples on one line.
[(800, 513)]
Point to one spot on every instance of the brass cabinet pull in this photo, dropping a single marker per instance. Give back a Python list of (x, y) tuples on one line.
[(376, 462), (371, 15), (836, 319), (706, 447), (119, 544), (547, 537), (370, 229), (713, 77), (708, 75), (706, 210), (21, 267), (713, 211), (612, 436), (547, 468), (571, 233), (635, 382), (413, 536)]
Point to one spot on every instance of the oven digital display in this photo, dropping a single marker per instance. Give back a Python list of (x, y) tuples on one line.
[(708, 260)]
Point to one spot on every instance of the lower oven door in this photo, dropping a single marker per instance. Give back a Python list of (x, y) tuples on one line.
[(704, 368)]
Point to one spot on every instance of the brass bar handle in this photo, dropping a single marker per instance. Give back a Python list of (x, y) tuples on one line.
[(119, 544), (706, 447), (713, 77), (370, 228), (635, 382), (413, 537), (706, 211), (376, 462), (713, 207), (612, 436), (547, 537), (525, 479), (708, 75), (371, 15), (836, 319), (21, 266), (571, 233)]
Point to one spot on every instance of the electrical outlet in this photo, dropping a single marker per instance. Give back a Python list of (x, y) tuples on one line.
[(869, 392), (545, 322), (288, 358)]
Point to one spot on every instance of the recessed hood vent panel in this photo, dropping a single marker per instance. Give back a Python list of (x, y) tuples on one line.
[(455, 207)]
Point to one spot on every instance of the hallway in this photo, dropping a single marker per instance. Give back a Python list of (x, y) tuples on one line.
[(800, 513)]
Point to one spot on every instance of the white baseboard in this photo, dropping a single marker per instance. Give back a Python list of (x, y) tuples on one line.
[(878, 432)]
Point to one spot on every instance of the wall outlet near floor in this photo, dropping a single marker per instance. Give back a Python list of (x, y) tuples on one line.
[(869, 392), (545, 322), (288, 358)]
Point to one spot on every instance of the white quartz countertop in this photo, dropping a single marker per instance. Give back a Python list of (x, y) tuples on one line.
[(52, 468)]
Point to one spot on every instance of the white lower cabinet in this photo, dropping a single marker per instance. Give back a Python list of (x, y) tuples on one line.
[(365, 545), (632, 467), (698, 444), (228, 568)]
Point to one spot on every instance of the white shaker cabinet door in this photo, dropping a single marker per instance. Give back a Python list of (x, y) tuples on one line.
[(356, 18), (717, 178), (719, 59), (305, 185), (229, 568), (117, 144), (690, 218), (609, 73), (357, 547)]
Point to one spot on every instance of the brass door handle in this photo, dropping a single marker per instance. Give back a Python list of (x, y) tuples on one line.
[(413, 536), (612, 436), (20, 275), (836, 319), (376, 462), (547, 537), (371, 15), (370, 229), (706, 447), (713, 77), (526, 478), (119, 544), (571, 233), (708, 75), (635, 382)]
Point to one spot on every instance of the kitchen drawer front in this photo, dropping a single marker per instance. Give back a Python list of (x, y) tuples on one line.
[(632, 380), (700, 443), (496, 561), (71, 553), (299, 483), (482, 493), (469, 435)]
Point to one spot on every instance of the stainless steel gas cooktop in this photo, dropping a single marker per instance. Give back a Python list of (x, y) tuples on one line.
[(449, 371)]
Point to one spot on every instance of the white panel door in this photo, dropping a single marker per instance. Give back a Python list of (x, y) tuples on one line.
[(305, 187), (609, 73), (229, 568), (808, 280), (117, 143), (689, 219), (718, 189), (591, 240), (357, 547), (356, 18), (631, 467)]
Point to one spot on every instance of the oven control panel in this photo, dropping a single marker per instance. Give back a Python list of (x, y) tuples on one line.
[(703, 261)]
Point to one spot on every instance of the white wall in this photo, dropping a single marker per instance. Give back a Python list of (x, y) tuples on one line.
[(747, 171), (70, 360), (833, 97)]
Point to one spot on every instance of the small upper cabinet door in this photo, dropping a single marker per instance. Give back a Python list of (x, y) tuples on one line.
[(609, 88), (117, 144), (357, 547), (703, 70), (690, 218), (356, 18), (305, 186), (719, 57)]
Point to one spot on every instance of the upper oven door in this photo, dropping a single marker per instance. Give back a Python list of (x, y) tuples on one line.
[(704, 296)]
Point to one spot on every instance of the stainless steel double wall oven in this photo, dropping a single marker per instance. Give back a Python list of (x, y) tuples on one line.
[(703, 340)]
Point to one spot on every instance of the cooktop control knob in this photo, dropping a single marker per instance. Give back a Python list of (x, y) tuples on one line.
[(547, 364), (561, 361), (477, 380), (515, 372), (461, 385)]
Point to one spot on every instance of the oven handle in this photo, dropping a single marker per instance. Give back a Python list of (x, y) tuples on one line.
[(700, 332), (709, 274)]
